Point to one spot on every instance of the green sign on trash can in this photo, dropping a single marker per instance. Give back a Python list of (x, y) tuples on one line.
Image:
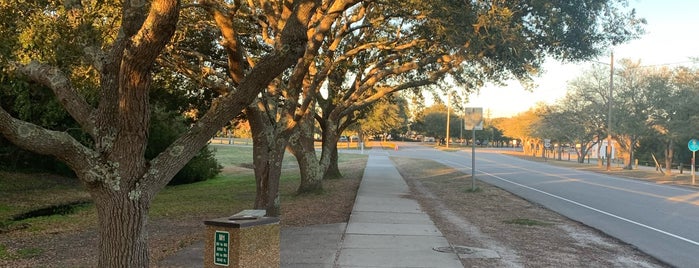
[(221, 242)]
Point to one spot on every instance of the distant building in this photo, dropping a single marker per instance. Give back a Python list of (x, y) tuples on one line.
[(603, 149)]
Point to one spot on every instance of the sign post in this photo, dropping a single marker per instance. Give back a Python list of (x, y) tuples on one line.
[(693, 146), (473, 120)]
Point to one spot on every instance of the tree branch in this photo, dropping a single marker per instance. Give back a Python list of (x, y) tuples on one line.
[(155, 33), (61, 86), (291, 47), (47, 142), (230, 40)]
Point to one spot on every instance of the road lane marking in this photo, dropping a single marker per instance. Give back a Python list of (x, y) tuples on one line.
[(570, 178), (586, 206), (606, 176)]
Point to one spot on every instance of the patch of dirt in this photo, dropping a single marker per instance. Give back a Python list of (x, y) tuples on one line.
[(523, 234)]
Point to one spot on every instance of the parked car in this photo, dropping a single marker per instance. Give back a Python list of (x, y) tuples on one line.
[(343, 139)]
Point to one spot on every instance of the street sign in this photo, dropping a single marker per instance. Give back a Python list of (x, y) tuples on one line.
[(221, 243), (473, 119), (547, 143), (693, 145)]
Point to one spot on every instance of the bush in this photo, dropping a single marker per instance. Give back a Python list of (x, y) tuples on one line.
[(13, 158), (202, 167), (165, 128)]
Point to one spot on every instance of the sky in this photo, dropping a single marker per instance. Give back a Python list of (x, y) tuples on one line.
[(672, 37)]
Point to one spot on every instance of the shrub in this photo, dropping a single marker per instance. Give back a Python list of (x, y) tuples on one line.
[(165, 128)]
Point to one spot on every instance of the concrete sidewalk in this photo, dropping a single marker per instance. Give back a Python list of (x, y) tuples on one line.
[(386, 229), (389, 229)]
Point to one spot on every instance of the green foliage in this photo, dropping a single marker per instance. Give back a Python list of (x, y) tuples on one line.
[(35, 104), (386, 115), (202, 167), (433, 122), (166, 127), (53, 33), (653, 109), (47, 32)]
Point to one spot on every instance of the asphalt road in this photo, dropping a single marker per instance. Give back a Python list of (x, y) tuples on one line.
[(661, 220)]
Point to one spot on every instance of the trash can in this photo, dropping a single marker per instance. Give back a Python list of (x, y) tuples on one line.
[(242, 240)]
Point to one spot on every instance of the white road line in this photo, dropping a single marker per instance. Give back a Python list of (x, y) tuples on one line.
[(608, 176), (588, 207)]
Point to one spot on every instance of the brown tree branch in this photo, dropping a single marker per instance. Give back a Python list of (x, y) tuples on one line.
[(198, 73), (61, 86), (230, 42), (291, 47), (154, 34), (47, 142)]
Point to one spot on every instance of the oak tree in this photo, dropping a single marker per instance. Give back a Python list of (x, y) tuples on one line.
[(121, 56)]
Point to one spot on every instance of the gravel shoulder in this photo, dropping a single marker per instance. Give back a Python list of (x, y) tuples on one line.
[(522, 233)]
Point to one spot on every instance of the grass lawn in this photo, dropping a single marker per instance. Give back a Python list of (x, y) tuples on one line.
[(229, 192)]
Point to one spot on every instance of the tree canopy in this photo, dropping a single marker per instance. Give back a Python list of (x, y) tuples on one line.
[(651, 106), (100, 60)]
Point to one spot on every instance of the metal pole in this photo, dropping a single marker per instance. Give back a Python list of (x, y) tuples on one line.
[(448, 112), (461, 130), (609, 118), (473, 159), (693, 168)]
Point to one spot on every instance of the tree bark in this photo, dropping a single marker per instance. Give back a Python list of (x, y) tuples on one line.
[(122, 229), (333, 171), (632, 149), (302, 146), (268, 153), (120, 180), (268, 169), (582, 153), (669, 153)]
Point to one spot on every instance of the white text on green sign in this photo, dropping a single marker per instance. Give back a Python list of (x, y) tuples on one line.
[(221, 243)]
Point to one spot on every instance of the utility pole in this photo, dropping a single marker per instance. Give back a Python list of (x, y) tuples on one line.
[(609, 117), (461, 129), (448, 112)]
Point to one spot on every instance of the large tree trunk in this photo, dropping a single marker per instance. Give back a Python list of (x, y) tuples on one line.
[(122, 229), (632, 149), (268, 153), (333, 171), (120, 180), (669, 152), (303, 147), (309, 166), (268, 169)]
